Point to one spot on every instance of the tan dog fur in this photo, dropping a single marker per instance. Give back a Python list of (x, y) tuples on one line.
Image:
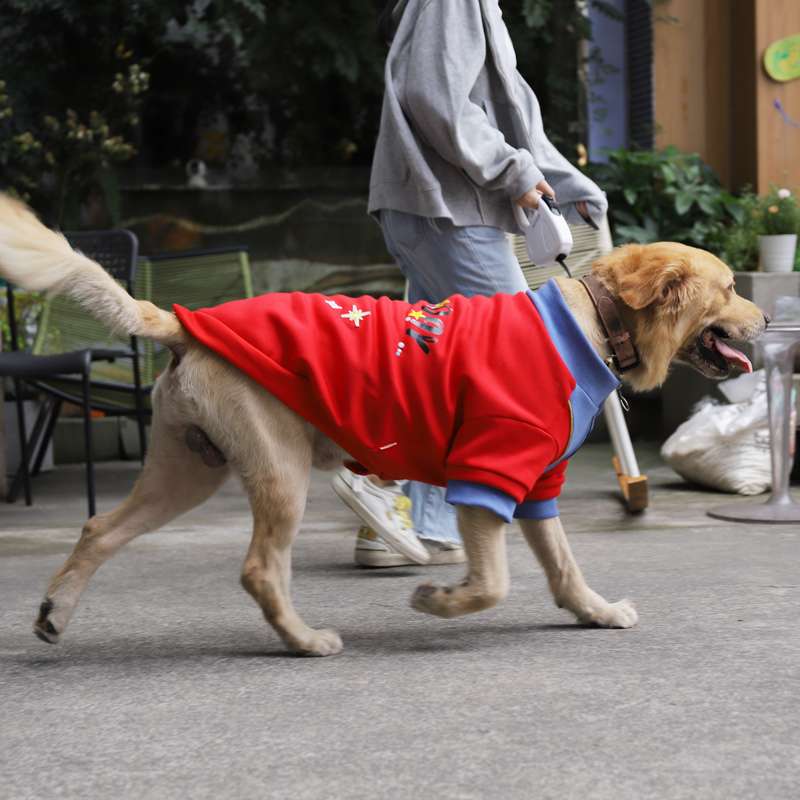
[(670, 292)]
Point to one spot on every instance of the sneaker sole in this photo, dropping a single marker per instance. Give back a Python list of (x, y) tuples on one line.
[(381, 559), (345, 494), (377, 559), (448, 557)]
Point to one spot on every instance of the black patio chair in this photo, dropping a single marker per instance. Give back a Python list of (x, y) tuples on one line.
[(20, 366), (67, 376)]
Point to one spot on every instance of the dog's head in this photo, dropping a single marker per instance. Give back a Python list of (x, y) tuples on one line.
[(681, 305)]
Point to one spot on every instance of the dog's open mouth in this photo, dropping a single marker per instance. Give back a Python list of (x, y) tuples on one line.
[(715, 353)]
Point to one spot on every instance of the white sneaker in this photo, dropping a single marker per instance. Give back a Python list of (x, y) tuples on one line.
[(384, 511), (371, 551)]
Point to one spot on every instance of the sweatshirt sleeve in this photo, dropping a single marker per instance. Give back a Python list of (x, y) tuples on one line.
[(495, 462), (448, 52), (541, 503)]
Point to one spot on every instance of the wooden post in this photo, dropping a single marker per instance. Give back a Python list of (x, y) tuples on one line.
[(777, 141), (712, 95), (744, 71)]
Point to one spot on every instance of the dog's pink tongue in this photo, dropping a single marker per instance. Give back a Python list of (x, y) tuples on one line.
[(733, 355)]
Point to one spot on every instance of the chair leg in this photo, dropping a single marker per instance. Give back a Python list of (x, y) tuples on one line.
[(35, 436), (139, 398), (23, 448), (141, 420), (52, 419), (87, 441)]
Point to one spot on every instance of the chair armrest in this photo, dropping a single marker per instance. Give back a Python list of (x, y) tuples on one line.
[(107, 354)]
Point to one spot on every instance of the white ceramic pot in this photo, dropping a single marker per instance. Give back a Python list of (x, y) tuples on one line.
[(776, 253)]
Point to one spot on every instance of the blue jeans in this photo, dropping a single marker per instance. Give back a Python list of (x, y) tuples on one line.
[(439, 259)]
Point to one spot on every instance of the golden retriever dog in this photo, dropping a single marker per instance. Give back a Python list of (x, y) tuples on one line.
[(679, 304)]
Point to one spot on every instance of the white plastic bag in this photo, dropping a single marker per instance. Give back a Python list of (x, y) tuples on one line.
[(726, 447)]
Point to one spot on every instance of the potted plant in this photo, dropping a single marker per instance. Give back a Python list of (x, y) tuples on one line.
[(778, 218)]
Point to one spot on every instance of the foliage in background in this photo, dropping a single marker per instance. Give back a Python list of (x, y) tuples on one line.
[(71, 102), (28, 307), (293, 83), (669, 195), (737, 243), (52, 159), (665, 195), (552, 40)]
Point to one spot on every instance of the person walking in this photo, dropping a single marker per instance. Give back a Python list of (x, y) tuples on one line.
[(461, 140)]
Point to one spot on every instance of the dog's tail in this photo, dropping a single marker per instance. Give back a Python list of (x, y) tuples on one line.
[(36, 258)]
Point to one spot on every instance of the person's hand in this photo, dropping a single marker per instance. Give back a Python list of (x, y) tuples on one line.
[(531, 198)]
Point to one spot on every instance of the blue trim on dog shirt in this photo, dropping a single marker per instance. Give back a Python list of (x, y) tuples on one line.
[(467, 493), (537, 509), (594, 381)]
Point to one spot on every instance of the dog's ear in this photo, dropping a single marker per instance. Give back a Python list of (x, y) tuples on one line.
[(649, 275)]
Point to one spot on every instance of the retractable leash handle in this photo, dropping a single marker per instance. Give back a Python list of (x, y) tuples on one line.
[(547, 236)]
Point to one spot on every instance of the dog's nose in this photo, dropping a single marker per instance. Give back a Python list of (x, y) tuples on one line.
[(767, 318)]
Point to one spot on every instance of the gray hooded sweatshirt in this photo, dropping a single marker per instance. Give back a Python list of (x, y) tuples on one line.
[(461, 132)]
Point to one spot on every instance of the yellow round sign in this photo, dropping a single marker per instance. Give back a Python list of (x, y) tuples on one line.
[(782, 59)]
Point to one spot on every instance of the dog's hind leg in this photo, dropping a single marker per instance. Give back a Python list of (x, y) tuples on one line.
[(173, 481), (266, 574), (549, 542), (486, 583), (278, 497)]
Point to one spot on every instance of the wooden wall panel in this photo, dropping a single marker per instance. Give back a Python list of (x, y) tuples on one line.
[(716, 147), (712, 95), (679, 74), (744, 71), (692, 78), (778, 143)]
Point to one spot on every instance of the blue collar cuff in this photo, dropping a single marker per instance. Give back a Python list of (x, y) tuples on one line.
[(587, 368)]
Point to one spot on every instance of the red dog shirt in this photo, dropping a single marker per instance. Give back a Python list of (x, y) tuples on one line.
[(487, 396)]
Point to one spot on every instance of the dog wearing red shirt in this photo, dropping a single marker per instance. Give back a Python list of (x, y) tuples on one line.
[(487, 396)]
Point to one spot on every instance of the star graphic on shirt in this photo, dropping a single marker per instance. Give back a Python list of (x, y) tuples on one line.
[(355, 315), (416, 314)]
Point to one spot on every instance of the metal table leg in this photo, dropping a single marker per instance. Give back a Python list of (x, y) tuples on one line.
[(778, 346)]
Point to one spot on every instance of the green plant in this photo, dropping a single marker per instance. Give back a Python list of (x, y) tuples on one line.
[(49, 160), (777, 213), (74, 86), (301, 86), (736, 242), (27, 306), (665, 195)]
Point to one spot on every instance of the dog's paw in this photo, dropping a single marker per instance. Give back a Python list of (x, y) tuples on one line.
[(621, 614), (452, 601), (324, 642), (44, 627), (431, 599)]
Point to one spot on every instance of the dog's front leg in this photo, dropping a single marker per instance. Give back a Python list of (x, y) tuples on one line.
[(486, 583), (548, 541)]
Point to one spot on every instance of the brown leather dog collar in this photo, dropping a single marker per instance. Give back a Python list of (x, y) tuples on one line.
[(623, 351)]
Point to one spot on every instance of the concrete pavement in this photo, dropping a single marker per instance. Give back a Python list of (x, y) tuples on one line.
[(169, 684)]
